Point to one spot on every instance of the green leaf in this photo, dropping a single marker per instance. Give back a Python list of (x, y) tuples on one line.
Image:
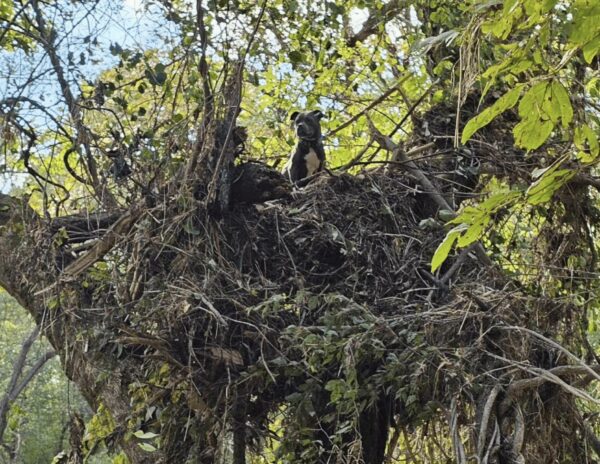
[(505, 102), (541, 108), (585, 25), (295, 57), (468, 215), (593, 87), (338, 389), (560, 99), (156, 76), (473, 220), (502, 27), (532, 133), (538, 7), (115, 49), (474, 214), (147, 447), (549, 182), (473, 233), (533, 99), (145, 435), (591, 49), (586, 140), (442, 251)]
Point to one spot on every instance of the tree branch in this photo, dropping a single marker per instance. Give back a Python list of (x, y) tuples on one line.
[(515, 389), (411, 167), (15, 387), (410, 111), (104, 245), (371, 105), (429, 188), (47, 40), (388, 12), (47, 356)]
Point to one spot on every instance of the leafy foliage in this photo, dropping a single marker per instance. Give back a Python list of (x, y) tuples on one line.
[(126, 129)]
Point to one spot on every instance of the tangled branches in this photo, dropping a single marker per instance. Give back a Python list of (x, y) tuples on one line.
[(315, 316)]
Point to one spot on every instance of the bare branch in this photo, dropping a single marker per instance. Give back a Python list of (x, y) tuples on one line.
[(429, 188), (371, 105), (47, 356), (47, 40), (410, 111), (104, 245), (515, 389), (410, 165), (15, 387), (388, 12)]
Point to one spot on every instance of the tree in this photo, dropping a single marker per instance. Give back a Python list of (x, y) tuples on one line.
[(36, 401), (203, 307), (18, 380)]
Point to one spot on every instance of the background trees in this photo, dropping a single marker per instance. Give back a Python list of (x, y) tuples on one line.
[(197, 325)]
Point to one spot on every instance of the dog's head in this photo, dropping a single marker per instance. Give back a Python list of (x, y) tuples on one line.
[(307, 124)]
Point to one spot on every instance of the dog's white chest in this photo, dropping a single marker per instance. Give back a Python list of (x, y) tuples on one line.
[(313, 163)]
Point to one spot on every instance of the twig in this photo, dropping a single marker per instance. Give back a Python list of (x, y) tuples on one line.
[(410, 111), (222, 171), (6, 27), (398, 154), (370, 26), (459, 450), (430, 189), (414, 151), (516, 388), (456, 265), (103, 245), (591, 438), (485, 417), (15, 387), (393, 444), (595, 371), (519, 433), (356, 160), (47, 41), (369, 107), (206, 89)]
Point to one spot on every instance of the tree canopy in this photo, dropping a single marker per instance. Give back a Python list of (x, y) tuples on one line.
[(432, 297)]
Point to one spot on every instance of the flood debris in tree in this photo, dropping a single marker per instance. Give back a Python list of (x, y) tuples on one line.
[(313, 316)]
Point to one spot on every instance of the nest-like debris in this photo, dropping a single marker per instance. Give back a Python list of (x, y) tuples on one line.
[(317, 311)]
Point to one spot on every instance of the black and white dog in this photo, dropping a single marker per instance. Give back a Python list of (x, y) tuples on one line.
[(309, 155)]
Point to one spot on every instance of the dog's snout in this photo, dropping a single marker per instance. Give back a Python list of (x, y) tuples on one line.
[(304, 130)]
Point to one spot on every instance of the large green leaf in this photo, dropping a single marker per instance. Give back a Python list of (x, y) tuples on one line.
[(532, 133), (586, 141), (505, 102), (443, 250), (560, 100), (547, 184), (591, 49)]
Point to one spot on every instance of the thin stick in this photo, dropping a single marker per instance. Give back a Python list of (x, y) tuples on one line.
[(430, 189), (369, 107)]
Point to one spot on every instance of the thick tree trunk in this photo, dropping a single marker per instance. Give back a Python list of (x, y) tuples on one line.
[(374, 430)]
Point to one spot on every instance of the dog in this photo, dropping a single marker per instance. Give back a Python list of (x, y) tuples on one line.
[(309, 156)]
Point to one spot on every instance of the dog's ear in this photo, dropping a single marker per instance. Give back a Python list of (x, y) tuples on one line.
[(293, 115), (318, 114)]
